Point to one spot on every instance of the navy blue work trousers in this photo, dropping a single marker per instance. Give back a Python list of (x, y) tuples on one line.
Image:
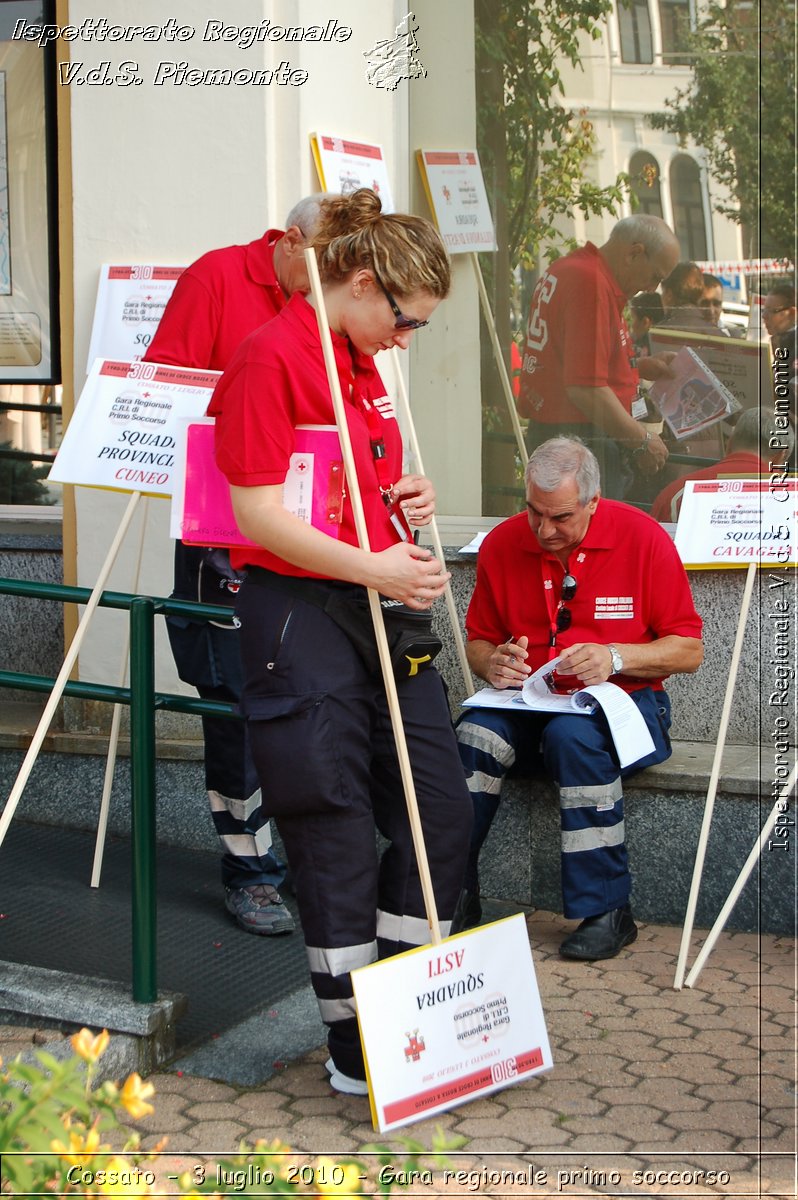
[(578, 754), (321, 737), (208, 657)]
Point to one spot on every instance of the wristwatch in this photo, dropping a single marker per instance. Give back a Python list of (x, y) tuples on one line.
[(617, 661), (643, 447)]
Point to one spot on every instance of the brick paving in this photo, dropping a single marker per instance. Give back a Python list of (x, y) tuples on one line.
[(651, 1089)]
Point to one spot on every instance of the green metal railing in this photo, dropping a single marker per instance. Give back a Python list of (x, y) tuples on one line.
[(144, 701)]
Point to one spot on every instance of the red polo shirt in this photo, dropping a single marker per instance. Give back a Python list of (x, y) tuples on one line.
[(744, 462), (576, 337), (276, 381), (217, 302), (630, 587)]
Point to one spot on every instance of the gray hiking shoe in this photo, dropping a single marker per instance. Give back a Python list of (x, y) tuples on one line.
[(259, 909)]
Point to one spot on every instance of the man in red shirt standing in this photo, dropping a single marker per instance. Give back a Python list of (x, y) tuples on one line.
[(600, 584), (217, 302), (579, 374)]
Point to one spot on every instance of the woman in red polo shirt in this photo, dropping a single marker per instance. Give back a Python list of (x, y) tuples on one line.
[(316, 708)]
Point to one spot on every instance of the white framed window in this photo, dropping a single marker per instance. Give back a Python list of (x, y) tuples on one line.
[(634, 29)]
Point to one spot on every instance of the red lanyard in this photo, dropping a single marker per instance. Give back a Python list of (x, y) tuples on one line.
[(376, 430), (555, 604)]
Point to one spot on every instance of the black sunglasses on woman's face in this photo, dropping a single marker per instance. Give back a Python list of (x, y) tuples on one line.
[(401, 322)]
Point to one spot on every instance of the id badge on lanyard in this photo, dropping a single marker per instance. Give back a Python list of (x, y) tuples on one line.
[(396, 515)]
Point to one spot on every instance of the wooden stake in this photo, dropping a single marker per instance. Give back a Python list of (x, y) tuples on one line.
[(116, 721), (501, 365), (433, 527), (712, 789), (63, 675), (741, 881)]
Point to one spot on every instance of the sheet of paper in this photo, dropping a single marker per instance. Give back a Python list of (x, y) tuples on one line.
[(124, 431), (130, 303), (489, 697), (344, 166), (629, 731), (473, 546), (732, 522), (457, 196)]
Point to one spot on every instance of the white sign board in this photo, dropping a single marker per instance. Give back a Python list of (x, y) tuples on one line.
[(344, 166), (732, 522), (125, 430), (456, 193), (130, 303), (445, 1024)]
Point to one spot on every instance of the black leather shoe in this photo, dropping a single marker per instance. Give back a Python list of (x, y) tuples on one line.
[(467, 914), (601, 937)]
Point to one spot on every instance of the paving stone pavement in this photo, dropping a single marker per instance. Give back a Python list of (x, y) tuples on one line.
[(652, 1089)]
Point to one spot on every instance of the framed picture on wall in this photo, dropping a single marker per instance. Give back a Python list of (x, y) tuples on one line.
[(29, 341)]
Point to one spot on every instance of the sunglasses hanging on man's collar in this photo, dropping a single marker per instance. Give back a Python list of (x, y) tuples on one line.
[(563, 618)]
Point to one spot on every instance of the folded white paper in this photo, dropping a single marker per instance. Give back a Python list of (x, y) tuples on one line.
[(628, 729)]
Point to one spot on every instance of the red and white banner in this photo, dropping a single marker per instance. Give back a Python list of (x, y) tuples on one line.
[(747, 266)]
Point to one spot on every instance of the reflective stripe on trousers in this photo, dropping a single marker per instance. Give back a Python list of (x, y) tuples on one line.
[(321, 735), (578, 755)]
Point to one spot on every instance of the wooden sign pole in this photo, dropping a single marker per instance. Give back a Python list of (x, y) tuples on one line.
[(116, 721), (433, 527), (741, 881), (501, 365), (63, 675), (713, 778)]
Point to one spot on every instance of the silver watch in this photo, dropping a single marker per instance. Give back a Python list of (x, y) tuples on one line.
[(617, 661)]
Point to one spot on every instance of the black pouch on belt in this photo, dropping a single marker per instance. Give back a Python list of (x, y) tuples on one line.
[(411, 642)]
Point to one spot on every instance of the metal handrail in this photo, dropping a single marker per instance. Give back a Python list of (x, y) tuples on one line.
[(143, 701), (7, 406)]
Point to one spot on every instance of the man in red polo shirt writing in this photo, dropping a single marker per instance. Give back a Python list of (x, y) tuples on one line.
[(599, 583), (579, 374)]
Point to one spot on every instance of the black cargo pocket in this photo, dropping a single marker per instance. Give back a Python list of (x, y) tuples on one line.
[(192, 651), (297, 756), (265, 624)]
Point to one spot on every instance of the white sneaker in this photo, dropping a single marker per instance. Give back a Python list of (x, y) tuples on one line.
[(344, 1083)]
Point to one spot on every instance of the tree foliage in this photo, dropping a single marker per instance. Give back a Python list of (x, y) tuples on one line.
[(535, 150), (20, 481), (536, 154), (740, 106)]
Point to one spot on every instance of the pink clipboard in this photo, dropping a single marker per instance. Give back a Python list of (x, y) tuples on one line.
[(313, 488)]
